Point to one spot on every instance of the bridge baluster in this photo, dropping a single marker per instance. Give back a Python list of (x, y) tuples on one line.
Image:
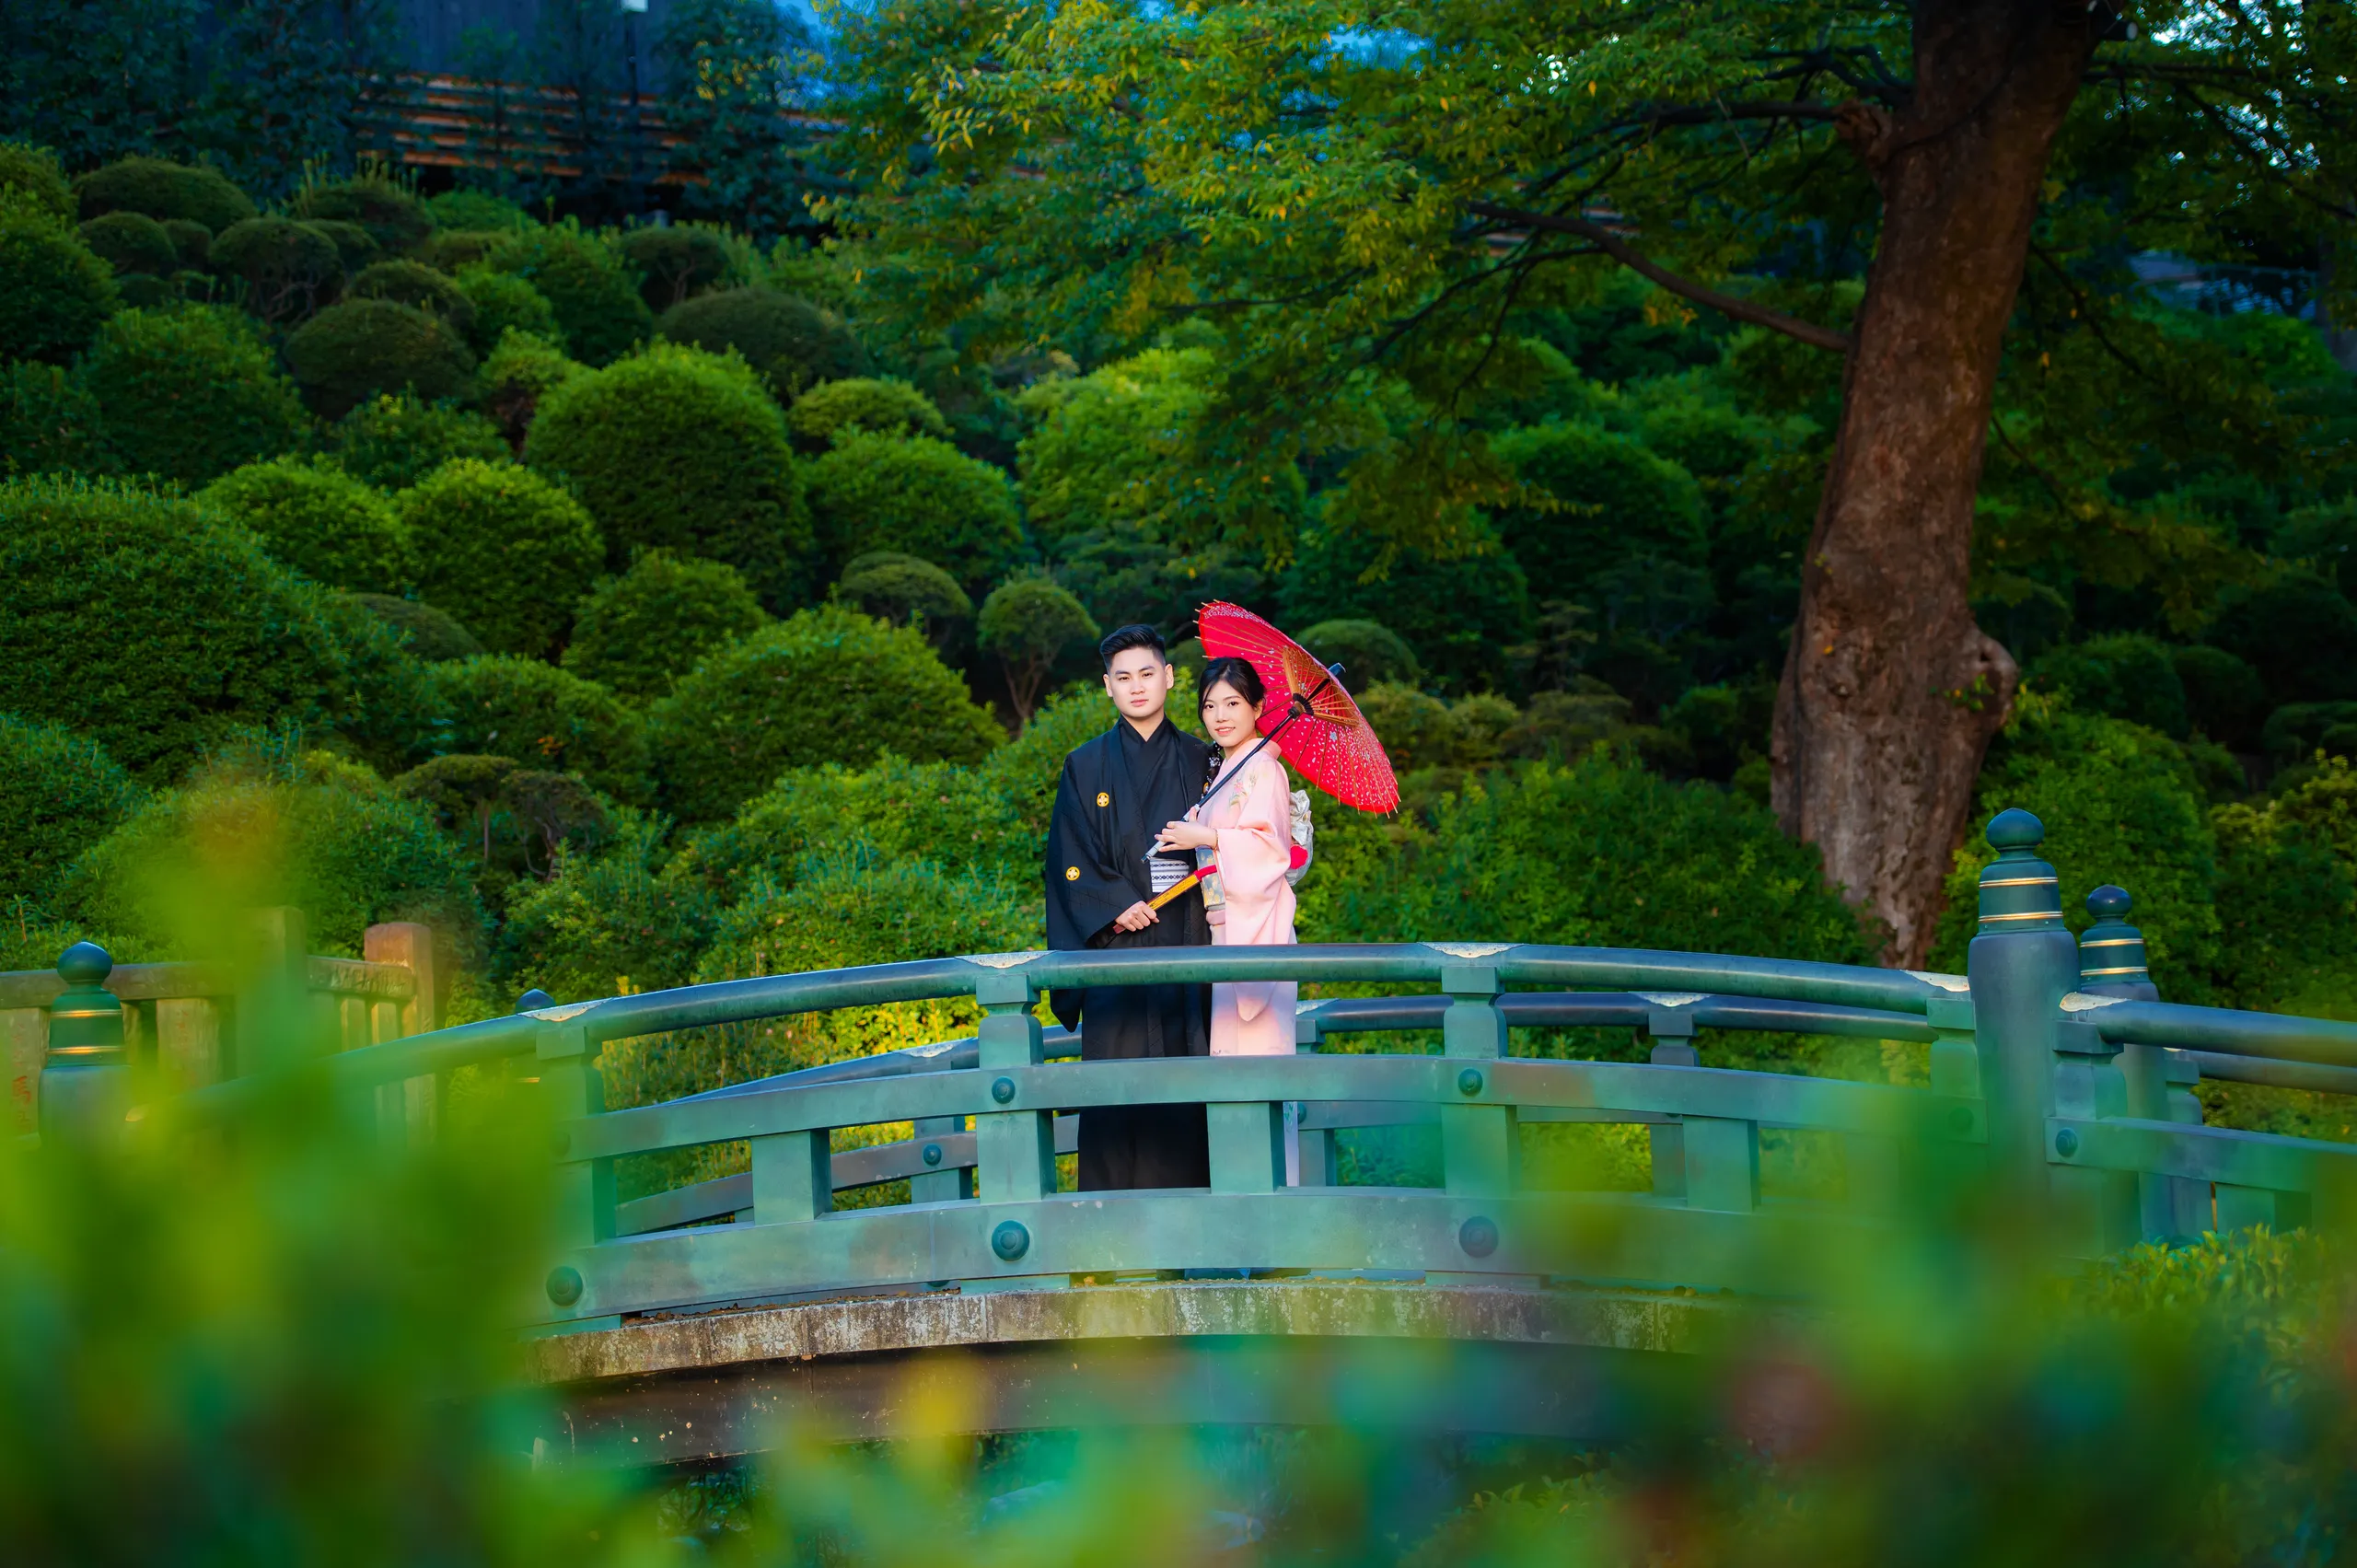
[(1318, 1166), (1479, 1141), (1014, 1151), (1672, 1030), (85, 1080), (585, 1188)]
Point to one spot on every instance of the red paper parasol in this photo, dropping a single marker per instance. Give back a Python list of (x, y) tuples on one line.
[(1312, 719)]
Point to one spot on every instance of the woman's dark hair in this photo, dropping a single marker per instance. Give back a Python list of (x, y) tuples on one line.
[(1236, 673)]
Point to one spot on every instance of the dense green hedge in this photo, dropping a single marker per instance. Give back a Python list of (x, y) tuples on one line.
[(60, 793), (1462, 616), (288, 269), (547, 718), (521, 370), (361, 348), (55, 291), (502, 549), (394, 441), (49, 422), (880, 407), (33, 181), (677, 261), (592, 290), (917, 497), (249, 832), (791, 344), (163, 190), (131, 242), (192, 393), (908, 592), (413, 282), (499, 303), (151, 626), (427, 634), (681, 450), (323, 523), (637, 633), (828, 685), (394, 216), (1617, 503)]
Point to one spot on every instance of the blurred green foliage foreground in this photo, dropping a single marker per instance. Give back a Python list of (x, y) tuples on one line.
[(286, 1342)]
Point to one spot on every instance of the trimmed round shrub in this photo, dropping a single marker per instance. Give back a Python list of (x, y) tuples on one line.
[(674, 449), (519, 372), (60, 793), (2297, 630), (880, 407), (413, 282), (131, 242), (354, 246), (1029, 623), (191, 242), (545, 717), (143, 292), (475, 210), (55, 291), (157, 628), (2127, 675), (354, 351), (500, 304), (1618, 501), (289, 269), (792, 343), (1368, 651), (920, 497), (163, 190), (424, 632), (828, 685), (453, 250), (319, 520), (394, 216), (309, 831), (592, 289), (32, 182), (502, 549), (191, 393), (49, 422), (1459, 616), (907, 592), (2223, 698), (393, 442), (639, 633), (677, 263)]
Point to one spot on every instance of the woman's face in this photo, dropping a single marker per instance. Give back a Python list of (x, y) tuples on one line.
[(1227, 717)]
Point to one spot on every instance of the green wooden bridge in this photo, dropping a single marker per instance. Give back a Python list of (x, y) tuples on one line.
[(684, 1326)]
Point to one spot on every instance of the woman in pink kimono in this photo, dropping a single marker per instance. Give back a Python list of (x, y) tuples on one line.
[(1247, 827)]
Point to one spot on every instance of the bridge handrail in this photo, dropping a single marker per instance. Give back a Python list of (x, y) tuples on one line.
[(770, 996), (2224, 1032)]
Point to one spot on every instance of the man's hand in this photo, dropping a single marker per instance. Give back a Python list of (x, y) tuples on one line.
[(1137, 917)]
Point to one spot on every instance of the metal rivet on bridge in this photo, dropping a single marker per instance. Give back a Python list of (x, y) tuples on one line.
[(564, 1284), (1003, 1090), (1470, 1081), (1477, 1235), (1010, 1240), (2066, 1143), (932, 1154)]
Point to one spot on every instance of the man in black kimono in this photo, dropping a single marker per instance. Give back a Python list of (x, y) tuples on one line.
[(1116, 793)]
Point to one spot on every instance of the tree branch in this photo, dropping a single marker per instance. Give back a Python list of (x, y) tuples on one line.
[(1636, 261)]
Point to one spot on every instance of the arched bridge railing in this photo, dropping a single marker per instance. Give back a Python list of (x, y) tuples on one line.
[(2051, 1062)]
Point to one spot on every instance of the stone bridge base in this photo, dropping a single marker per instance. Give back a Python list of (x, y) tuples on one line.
[(1534, 1362)]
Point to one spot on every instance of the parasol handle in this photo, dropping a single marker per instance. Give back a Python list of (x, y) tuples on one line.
[(1180, 886)]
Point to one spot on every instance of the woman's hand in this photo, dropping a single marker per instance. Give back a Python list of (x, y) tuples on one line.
[(1185, 835)]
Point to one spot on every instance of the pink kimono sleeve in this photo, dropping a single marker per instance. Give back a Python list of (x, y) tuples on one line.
[(1255, 852)]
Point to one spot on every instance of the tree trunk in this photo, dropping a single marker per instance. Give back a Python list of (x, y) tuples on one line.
[(1890, 691)]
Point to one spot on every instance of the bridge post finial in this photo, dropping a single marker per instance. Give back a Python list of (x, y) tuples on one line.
[(85, 1080), (2021, 966)]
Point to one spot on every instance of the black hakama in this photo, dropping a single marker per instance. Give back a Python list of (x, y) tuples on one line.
[(1115, 793)]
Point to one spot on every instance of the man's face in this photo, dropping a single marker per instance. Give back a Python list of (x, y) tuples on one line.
[(1139, 682)]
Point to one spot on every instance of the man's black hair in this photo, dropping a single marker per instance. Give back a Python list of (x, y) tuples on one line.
[(1124, 638)]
